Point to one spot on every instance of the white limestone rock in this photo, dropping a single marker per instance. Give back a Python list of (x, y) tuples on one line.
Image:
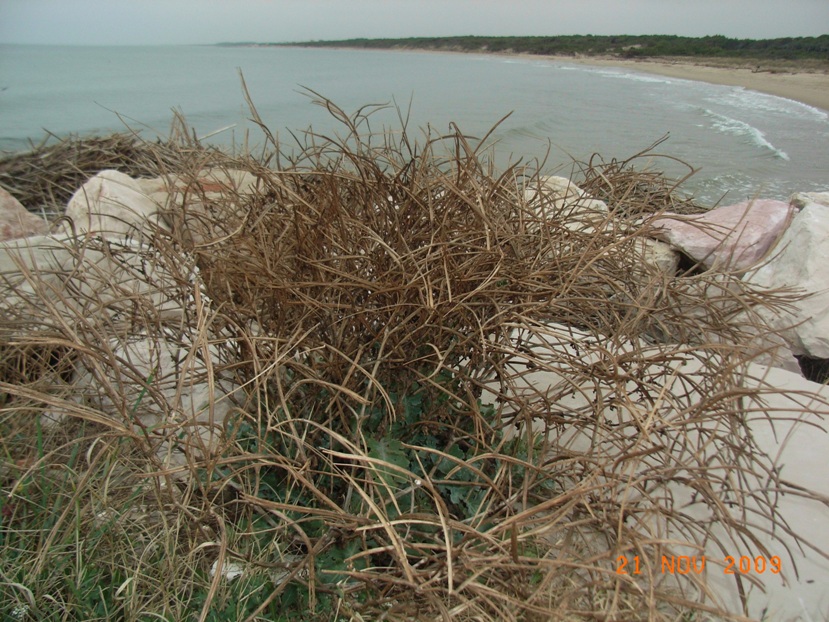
[(221, 181), (558, 198), (112, 204), (785, 415), (107, 292), (157, 189), (207, 206), (800, 260), (230, 571), (54, 279), (16, 221), (802, 199), (209, 185), (43, 255), (561, 186), (163, 383), (162, 388), (659, 255)]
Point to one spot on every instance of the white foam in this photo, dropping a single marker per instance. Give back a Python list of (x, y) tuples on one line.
[(754, 100), (634, 76), (620, 74), (736, 127)]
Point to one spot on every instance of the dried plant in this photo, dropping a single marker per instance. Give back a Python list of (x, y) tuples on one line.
[(634, 187), (44, 178), (455, 403)]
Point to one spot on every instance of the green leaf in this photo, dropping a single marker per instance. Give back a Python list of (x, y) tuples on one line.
[(389, 450), (413, 407), (333, 563), (445, 465), (457, 494)]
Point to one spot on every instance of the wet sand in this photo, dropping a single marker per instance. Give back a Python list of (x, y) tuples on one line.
[(809, 87)]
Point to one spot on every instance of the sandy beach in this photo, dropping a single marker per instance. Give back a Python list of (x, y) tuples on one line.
[(803, 81), (809, 87)]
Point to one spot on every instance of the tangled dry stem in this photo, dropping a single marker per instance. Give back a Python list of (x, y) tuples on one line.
[(472, 404)]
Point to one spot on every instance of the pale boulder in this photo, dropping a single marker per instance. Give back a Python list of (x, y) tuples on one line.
[(795, 437), (31, 277), (800, 261), (16, 221), (207, 206), (134, 305), (785, 415), (212, 184), (566, 193), (658, 255), (163, 387), (561, 186), (183, 394), (112, 204), (734, 237), (559, 199), (218, 182), (157, 189), (802, 199), (90, 279)]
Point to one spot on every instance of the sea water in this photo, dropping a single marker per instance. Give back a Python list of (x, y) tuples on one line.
[(744, 143)]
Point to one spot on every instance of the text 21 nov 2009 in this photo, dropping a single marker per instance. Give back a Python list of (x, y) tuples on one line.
[(685, 564)]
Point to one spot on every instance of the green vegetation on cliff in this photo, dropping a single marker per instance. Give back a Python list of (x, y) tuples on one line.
[(628, 46)]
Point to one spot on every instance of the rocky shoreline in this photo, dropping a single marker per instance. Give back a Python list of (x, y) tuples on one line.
[(772, 244)]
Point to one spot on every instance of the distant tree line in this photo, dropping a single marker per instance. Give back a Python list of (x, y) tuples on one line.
[(625, 46)]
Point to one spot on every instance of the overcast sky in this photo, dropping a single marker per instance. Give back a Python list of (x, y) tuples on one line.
[(141, 22)]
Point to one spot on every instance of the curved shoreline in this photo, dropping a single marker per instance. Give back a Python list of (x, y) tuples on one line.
[(808, 88)]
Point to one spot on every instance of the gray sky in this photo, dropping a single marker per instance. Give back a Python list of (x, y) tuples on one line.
[(139, 22)]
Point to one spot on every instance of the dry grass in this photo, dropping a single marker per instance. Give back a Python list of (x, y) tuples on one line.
[(454, 405), (634, 187), (44, 178)]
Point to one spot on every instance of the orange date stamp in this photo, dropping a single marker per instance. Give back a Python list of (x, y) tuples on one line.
[(685, 564)]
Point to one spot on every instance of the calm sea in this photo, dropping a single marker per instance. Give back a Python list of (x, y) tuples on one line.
[(744, 143)]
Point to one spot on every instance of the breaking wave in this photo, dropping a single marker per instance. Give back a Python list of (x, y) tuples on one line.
[(774, 104), (621, 74), (736, 127)]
